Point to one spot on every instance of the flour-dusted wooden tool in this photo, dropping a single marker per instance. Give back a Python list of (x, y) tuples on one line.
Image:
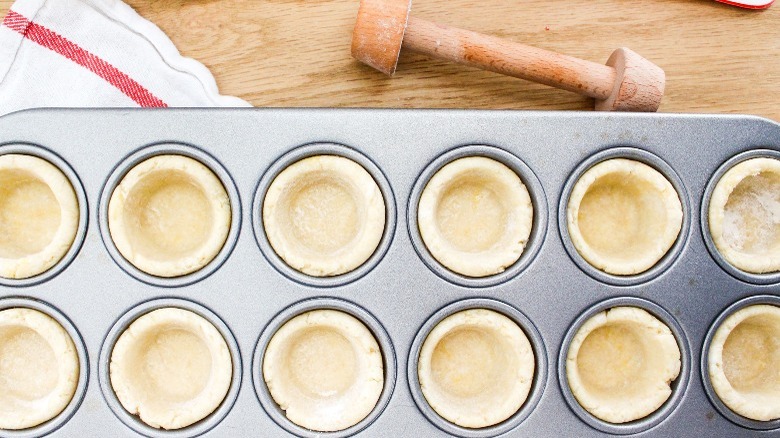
[(627, 83)]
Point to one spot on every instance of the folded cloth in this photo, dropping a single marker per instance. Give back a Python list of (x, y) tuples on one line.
[(95, 53)]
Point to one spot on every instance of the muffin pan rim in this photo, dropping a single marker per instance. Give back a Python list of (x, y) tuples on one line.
[(139, 155), (669, 259), (133, 421), (713, 397), (294, 155), (679, 385), (383, 339), (538, 385), (771, 278), (44, 153), (84, 366), (539, 222)]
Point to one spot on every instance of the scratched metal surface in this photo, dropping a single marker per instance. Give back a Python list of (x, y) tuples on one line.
[(401, 292)]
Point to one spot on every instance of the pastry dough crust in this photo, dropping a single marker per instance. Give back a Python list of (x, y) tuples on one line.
[(744, 215), (324, 369), (324, 215), (39, 368), (475, 216), (169, 216), (171, 367), (620, 364), (744, 362), (39, 216), (476, 368), (623, 216)]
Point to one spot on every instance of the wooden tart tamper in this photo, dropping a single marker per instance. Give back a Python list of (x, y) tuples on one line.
[(627, 83)]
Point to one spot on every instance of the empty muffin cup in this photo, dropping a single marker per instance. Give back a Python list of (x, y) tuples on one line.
[(324, 215), (744, 215), (476, 368), (623, 216), (324, 368), (475, 216), (39, 216), (39, 368), (620, 364), (169, 216), (744, 362), (171, 367)]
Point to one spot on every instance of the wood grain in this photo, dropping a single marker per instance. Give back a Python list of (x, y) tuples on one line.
[(717, 58)]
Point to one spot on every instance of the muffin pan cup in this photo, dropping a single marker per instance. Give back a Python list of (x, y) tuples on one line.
[(678, 386), (55, 423), (538, 224), (292, 157), (400, 290), (769, 278), (371, 323), (642, 156), (724, 410), (23, 148), (134, 422), (141, 155), (537, 386)]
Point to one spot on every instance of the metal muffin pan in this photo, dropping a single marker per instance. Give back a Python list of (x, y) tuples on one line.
[(401, 291)]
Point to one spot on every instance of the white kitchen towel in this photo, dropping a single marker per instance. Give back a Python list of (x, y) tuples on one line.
[(95, 53)]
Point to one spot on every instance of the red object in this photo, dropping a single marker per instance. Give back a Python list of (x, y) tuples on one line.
[(70, 50), (749, 4)]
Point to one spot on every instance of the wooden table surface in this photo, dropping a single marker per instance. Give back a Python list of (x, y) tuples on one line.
[(717, 58)]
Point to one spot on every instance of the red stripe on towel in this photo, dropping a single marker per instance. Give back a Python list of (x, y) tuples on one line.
[(59, 44)]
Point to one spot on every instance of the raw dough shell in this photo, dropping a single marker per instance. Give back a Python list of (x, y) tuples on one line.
[(476, 368), (169, 216), (324, 215), (324, 368), (475, 216), (744, 215), (623, 216), (744, 362), (171, 367), (39, 216), (39, 368), (620, 364)]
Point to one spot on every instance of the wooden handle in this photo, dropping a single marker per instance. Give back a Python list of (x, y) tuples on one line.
[(627, 83), (509, 58)]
